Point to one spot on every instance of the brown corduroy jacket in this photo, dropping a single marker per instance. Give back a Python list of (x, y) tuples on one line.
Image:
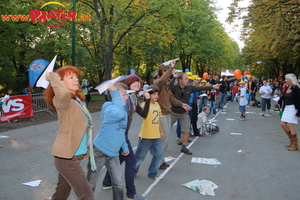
[(71, 120)]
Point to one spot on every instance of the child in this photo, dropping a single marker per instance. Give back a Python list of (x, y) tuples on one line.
[(213, 100), (151, 136), (202, 118), (242, 100), (110, 139), (235, 91)]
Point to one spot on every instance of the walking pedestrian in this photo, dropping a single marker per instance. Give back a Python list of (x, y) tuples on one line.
[(182, 91), (242, 100), (291, 110), (151, 136), (165, 100), (110, 139), (74, 138), (133, 83), (265, 92)]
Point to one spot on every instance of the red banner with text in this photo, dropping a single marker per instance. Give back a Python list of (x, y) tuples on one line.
[(17, 107)]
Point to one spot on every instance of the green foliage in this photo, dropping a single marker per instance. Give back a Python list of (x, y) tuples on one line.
[(120, 35), (271, 32)]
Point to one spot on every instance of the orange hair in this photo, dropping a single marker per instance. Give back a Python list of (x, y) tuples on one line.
[(49, 93)]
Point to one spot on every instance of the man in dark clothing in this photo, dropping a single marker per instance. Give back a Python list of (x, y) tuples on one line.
[(211, 81), (252, 88), (182, 91), (222, 93)]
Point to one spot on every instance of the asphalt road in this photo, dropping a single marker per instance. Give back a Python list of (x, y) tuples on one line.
[(263, 169)]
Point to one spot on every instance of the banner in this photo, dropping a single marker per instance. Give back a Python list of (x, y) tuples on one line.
[(36, 68), (17, 107)]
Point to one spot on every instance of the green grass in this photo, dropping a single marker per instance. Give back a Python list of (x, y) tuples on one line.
[(98, 97)]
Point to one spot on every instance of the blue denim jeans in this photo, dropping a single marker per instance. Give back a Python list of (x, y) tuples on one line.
[(178, 129), (252, 96), (222, 100), (129, 170), (202, 103), (155, 147), (113, 167), (212, 107), (233, 96)]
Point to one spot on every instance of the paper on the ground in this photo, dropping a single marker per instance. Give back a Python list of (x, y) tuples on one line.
[(208, 161), (240, 151), (106, 84), (169, 61), (42, 82), (33, 183), (141, 92), (3, 136), (235, 133), (230, 119), (169, 158), (204, 187)]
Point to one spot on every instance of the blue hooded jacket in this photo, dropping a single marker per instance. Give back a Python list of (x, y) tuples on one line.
[(111, 136)]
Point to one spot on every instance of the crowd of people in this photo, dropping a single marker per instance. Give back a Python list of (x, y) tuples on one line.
[(181, 98)]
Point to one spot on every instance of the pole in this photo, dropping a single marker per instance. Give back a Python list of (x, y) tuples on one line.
[(74, 37)]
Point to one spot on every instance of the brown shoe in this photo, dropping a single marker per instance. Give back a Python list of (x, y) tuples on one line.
[(294, 140), (186, 151), (164, 166), (289, 135)]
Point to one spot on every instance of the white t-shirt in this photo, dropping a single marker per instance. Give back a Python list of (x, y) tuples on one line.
[(243, 100), (266, 89)]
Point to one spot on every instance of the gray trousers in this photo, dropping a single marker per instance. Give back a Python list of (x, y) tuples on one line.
[(264, 103), (113, 167)]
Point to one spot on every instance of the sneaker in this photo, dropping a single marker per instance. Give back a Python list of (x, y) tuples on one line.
[(164, 166), (179, 142), (186, 151), (263, 114), (242, 119), (214, 115), (136, 197), (106, 187), (267, 115), (156, 177)]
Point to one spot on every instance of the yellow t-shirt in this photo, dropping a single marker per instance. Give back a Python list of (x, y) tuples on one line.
[(150, 124)]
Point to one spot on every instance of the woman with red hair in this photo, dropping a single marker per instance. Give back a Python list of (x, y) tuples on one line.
[(74, 136)]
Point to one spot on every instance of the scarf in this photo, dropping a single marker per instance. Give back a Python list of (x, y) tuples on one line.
[(89, 131)]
